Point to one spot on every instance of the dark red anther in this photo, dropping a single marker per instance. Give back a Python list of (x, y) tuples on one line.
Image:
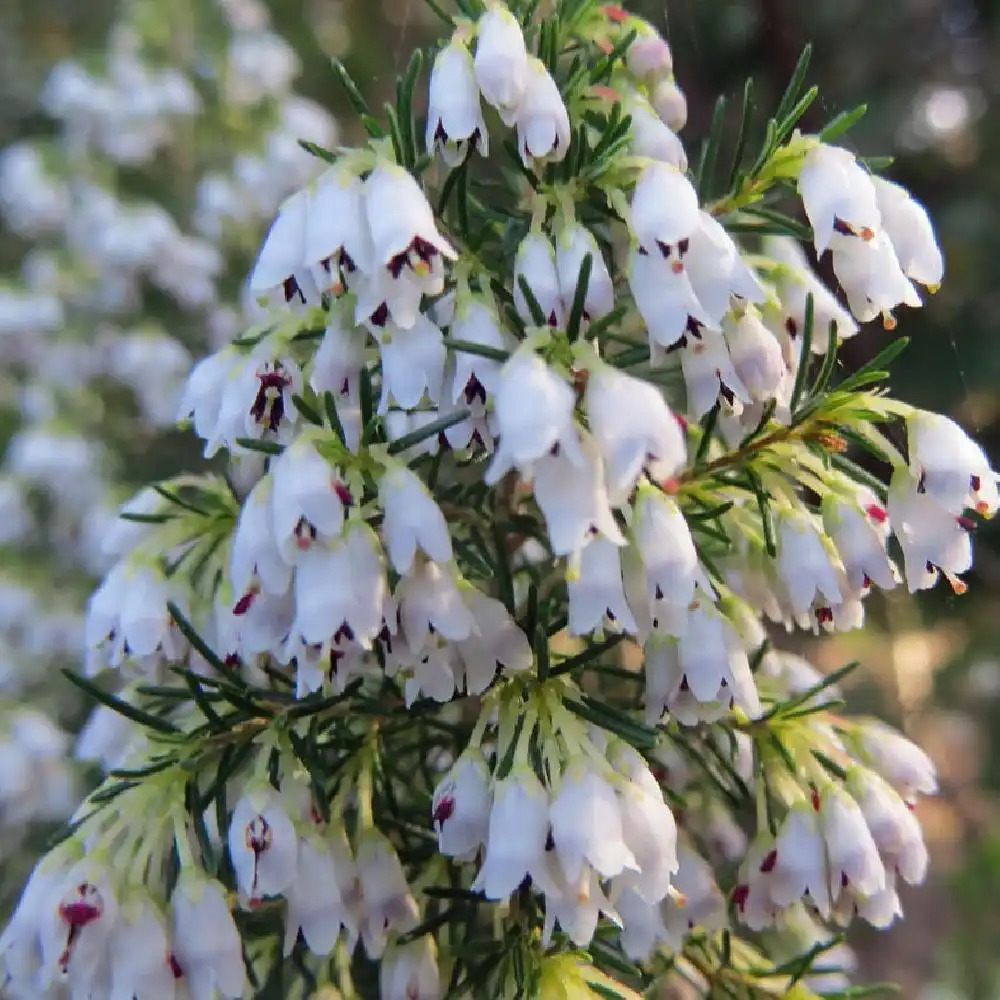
[(966, 523), (824, 615), (243, 605), (791, 327), (815, 799), (975, 483), (770, 860), (740, 896), (443, 810), (291, 289), (877, 513), (343, 494), (77, 914), (381, 315), (474, 389), (257, 836)]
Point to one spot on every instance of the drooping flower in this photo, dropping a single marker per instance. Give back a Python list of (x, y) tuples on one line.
[(322, 895), (912, 234), (543, 127), (573, 498), (574, 245), (338, 243), (534, 414), (206, 944), (263, 845), (664, 212), (535, 263), (501, 61), (949, 466), (455, 119), (412, 519), (308, 499), (460, 807), (408, 249), (838, 196), (517, 836)]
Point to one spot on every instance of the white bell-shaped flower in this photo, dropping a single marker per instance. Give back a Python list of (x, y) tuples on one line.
[(454, 118), (408, 248), (336, 368), (77, 922), (476, 377), (800, 867), (648, 829), (21, 955), (805, 564), (412, 519), (872, 279), (140, 950), (575, 906), (838, 195), (709, 373), (255, 560), (202, 397), (713, 660), (859, 528), (308, 499), (893, 825), (281, 269), (320, 896), (900, 761), (933, 540), (207, 945), (535, 263), (662, 540), (517, 836), (596, 591), (387, 906), (755, 353), (263, 845), (342, 583), (534, 414), (574, 244), (717, 271), (851, 851), (543, 128), (665, 299), (413, 360), (430, 600), (651, 137), (501, 62), (574, 499), (699, 903), (664, 212), (410, 971), (496, 640), (460, 807), (337, 240), (909, 227), (949, 466), (587, 824)]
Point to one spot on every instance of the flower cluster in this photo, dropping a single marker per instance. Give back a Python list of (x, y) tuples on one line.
[(467, 662)]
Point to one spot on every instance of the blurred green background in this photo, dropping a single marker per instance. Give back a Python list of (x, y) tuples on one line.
[(929, 71)]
